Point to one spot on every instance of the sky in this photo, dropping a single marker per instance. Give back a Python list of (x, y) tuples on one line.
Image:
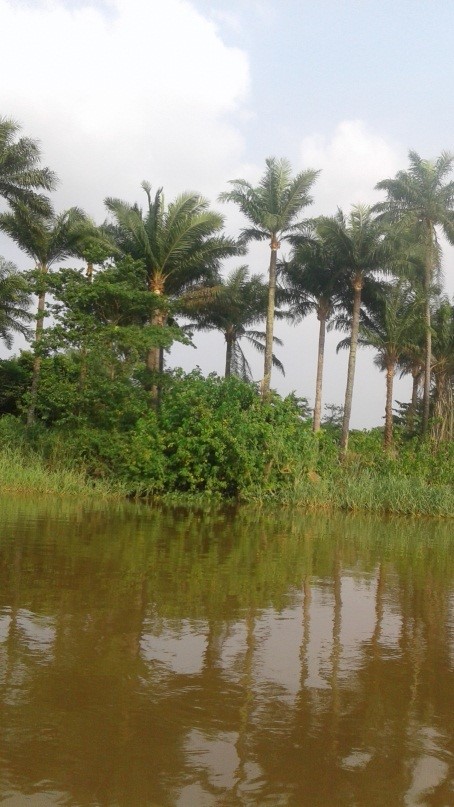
[(190, 94)]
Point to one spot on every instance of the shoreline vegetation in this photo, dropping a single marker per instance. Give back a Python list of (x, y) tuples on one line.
[(90, 409), (215, 442), (364, 492)]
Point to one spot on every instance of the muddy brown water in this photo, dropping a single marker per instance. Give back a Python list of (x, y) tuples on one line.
[(189, 659)]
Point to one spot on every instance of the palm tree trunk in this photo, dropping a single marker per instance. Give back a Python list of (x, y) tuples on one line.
[(388, 435), (154, 356), (357, 284), (443, 414), (427, 364), (319, 381), (270, 319), (428, 332), (228, 354), (37, 359), (416, 374)]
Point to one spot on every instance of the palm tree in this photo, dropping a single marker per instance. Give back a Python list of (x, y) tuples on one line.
[(181, 246), (45, 239), (420, 200), (236, 305), (361, 252), (20, 174), (272, 208), (412, 363), (443, 370), (390, 326), (14, 302), (313, 284)]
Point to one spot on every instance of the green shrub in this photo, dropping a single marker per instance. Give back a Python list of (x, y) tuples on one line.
[(216, 436)]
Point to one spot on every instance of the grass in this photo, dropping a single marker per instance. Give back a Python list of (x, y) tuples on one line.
[(23, 471), (26, 472), (368, 492)]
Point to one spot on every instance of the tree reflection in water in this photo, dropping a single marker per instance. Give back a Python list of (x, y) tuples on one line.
[(224, 658)]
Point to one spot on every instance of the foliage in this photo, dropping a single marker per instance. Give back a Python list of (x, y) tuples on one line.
[(180, 244), (14, 302), (15, 379), (236, 305), (21, 177), (217, 437)]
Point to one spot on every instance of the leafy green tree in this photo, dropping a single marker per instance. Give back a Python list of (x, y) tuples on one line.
[(421, 200), (102, 325), (313, 284), (236, 306), (389, 326), (15, 378), (14, 302), (181, 246), (45, 239), (21, 177), (360, 249), (272, 208)]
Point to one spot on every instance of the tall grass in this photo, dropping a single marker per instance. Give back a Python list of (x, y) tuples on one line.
[(23, 471), (26, 472), (369, 492)]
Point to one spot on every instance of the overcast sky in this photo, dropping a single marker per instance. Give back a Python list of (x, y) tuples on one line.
[(191, 93)]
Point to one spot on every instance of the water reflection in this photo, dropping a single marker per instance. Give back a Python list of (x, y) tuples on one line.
[(163, 658)]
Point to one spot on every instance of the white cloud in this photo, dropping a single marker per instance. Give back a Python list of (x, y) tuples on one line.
[(352, 160), (141, 90)]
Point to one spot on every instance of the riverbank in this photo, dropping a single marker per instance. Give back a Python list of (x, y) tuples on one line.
[(213, 442), (342, 490)]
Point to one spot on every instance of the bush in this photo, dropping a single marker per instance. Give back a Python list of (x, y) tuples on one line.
[(216, 436)]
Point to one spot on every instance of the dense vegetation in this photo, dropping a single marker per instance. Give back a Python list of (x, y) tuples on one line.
[(92, 395)]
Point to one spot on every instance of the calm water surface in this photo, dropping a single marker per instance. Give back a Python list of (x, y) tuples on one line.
[(178, 659)]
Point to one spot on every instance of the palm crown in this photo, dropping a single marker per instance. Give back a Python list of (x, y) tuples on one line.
[(20, 174), (235, 307), (273, 206), (14, 302), (180, 244), (419, 196), (46, 239)]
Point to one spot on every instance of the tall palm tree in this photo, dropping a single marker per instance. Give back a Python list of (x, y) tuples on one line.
[(235, 307), (412, 362), (45, 239), (14, 302), (443, 370), (20, 174), (360, 249), (421, 200), (180, 244), (272, 208), (390, 326), (313, 284)]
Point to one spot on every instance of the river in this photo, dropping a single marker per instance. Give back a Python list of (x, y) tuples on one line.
[(175, 658)]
